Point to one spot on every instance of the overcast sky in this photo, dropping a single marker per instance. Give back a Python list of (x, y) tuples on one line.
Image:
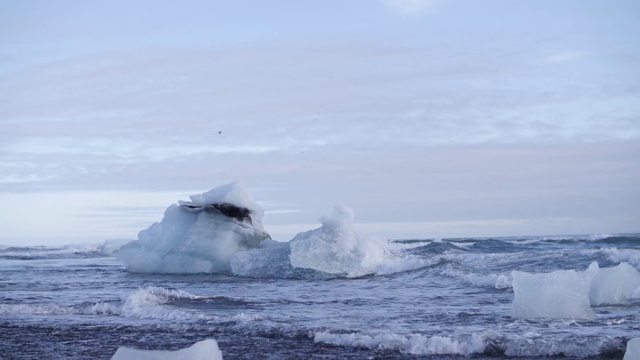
[(430, 118)]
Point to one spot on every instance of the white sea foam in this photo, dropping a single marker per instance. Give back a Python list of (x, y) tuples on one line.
[(203, 350), (524, 242), (333, 248), (529, 344), (630, 256), (463, 245), (110, 246), (143, 303), (589, 237), (36, 309), (191, 241), (336, 248), (49, 251), (415, 344), (497, 281), (542, 345)]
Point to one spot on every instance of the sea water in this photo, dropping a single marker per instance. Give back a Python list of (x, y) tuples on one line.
[(200, 282), (530, 297)]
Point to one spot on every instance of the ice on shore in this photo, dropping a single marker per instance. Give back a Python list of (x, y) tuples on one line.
[(558, 294), (614, 285), (202, 350), (571, 294), (196, 236), (633, 349)]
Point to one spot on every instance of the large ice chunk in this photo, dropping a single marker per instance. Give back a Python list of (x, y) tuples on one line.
[(633, 349), (199, 236), (614, 285), (558, 294), (202, 350), (570, 294)]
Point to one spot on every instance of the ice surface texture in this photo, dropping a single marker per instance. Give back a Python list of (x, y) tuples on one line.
[(614, 285), (188, 241), (202, 350), (633, 349), (570, 294), (197, 237)]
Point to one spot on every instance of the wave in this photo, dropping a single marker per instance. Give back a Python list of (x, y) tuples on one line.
[(613, 239), (496, 281), (168, 305), (49, 252), (616, 255), (482, 343), (143, 303), (415, 344), (70, 251)]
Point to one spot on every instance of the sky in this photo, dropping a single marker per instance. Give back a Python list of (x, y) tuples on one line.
[(429, 118)]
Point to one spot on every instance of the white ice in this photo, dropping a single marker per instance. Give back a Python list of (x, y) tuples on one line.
[(558, 294), (633, 349), (196, 241), (571, 294), (202, 350), (190, 239), (614, 285)]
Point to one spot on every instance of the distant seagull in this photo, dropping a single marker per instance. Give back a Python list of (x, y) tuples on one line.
[(219, 132)]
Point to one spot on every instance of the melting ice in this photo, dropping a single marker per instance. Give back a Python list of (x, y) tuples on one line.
[(202, 350), (571, 294), (199, 236)]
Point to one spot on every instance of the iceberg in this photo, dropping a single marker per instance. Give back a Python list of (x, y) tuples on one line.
[(202, 350), (198, 236)]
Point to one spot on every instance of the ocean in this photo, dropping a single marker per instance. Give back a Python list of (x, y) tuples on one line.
[(481, 298)]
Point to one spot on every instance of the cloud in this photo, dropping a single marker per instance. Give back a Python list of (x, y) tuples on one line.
[(127, 119), (126, 150), (413, 7), (561, 57), (443, 191)]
